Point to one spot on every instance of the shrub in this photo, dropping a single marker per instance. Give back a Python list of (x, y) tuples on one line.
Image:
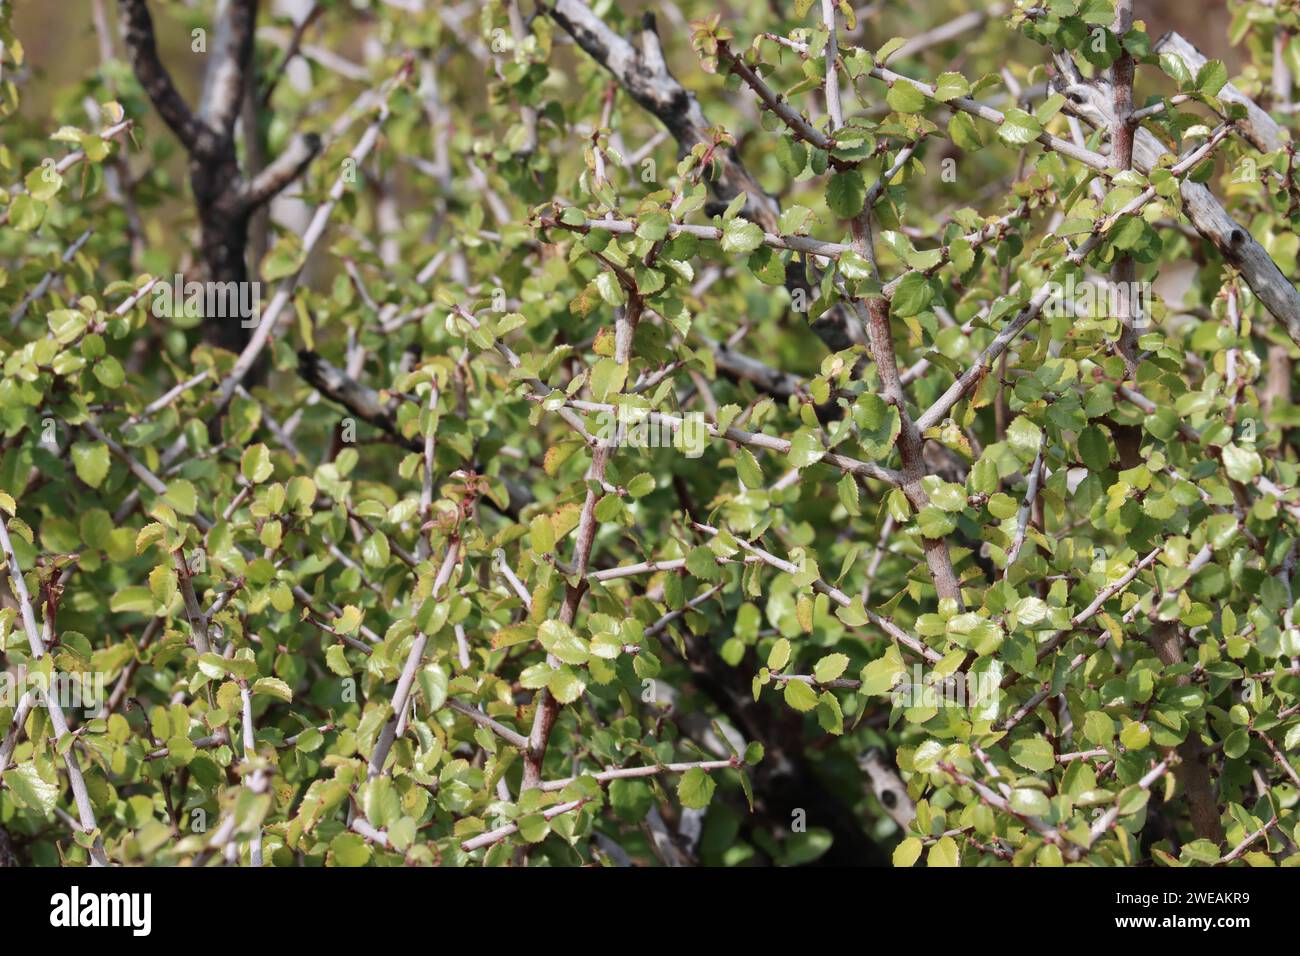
[(756, 442)]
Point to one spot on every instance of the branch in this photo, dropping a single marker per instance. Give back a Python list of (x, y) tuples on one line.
[(315, 230), (949, 31), (1260, 129), (854, 466), (290, 51), (80, 795), (875, 315), (283, 170), (627, 773), (1245, 844), (361, 400), (1049, 833), (258, 782), (1022, 519), (1124, 272), (975, 374), (142, 51), (232, 49), (1094, 102), (1107, 820), (547, 707), (512, 737), (833, 106), (26, 704), (835, 594), (645, 76), (500, 833), (396, 725)]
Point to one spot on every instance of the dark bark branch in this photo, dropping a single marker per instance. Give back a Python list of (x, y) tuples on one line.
[(643, 73), (364, 402), (1193, 772), (1124, 272), (142, 51), (1094, 102), (283, 170), (361, 400), (645, 76)]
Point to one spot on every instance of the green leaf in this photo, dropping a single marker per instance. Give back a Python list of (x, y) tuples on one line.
[(695, 789), (1032, 803), (830, 667), (273, 687), (1211, 77), (878, 424), (903, 97), (32, 790), (881, 675), (1025, 437), (829, 715), (641, 485), (853, 614), (741, 235), (703, 563), (162, 584), (349, 849), (1242, 464), (43, 182), (609, 288), (935, 522), (91, 462), (805, 448), (747, 468), (375, 550), (800, 695), (779, 655), (1135, 736), (911, 297), (845, 194), (1019, 128), (653, 226), (255, 464), (1094, 448), (534, 827), (1098, 728), (566, 684), (607, 378), (791, 155), (964, 134), (907, 852), (950, 86), (1033, 753), (944, 853), (847, 490), (348, 621), (560, 641), (132, 599)]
